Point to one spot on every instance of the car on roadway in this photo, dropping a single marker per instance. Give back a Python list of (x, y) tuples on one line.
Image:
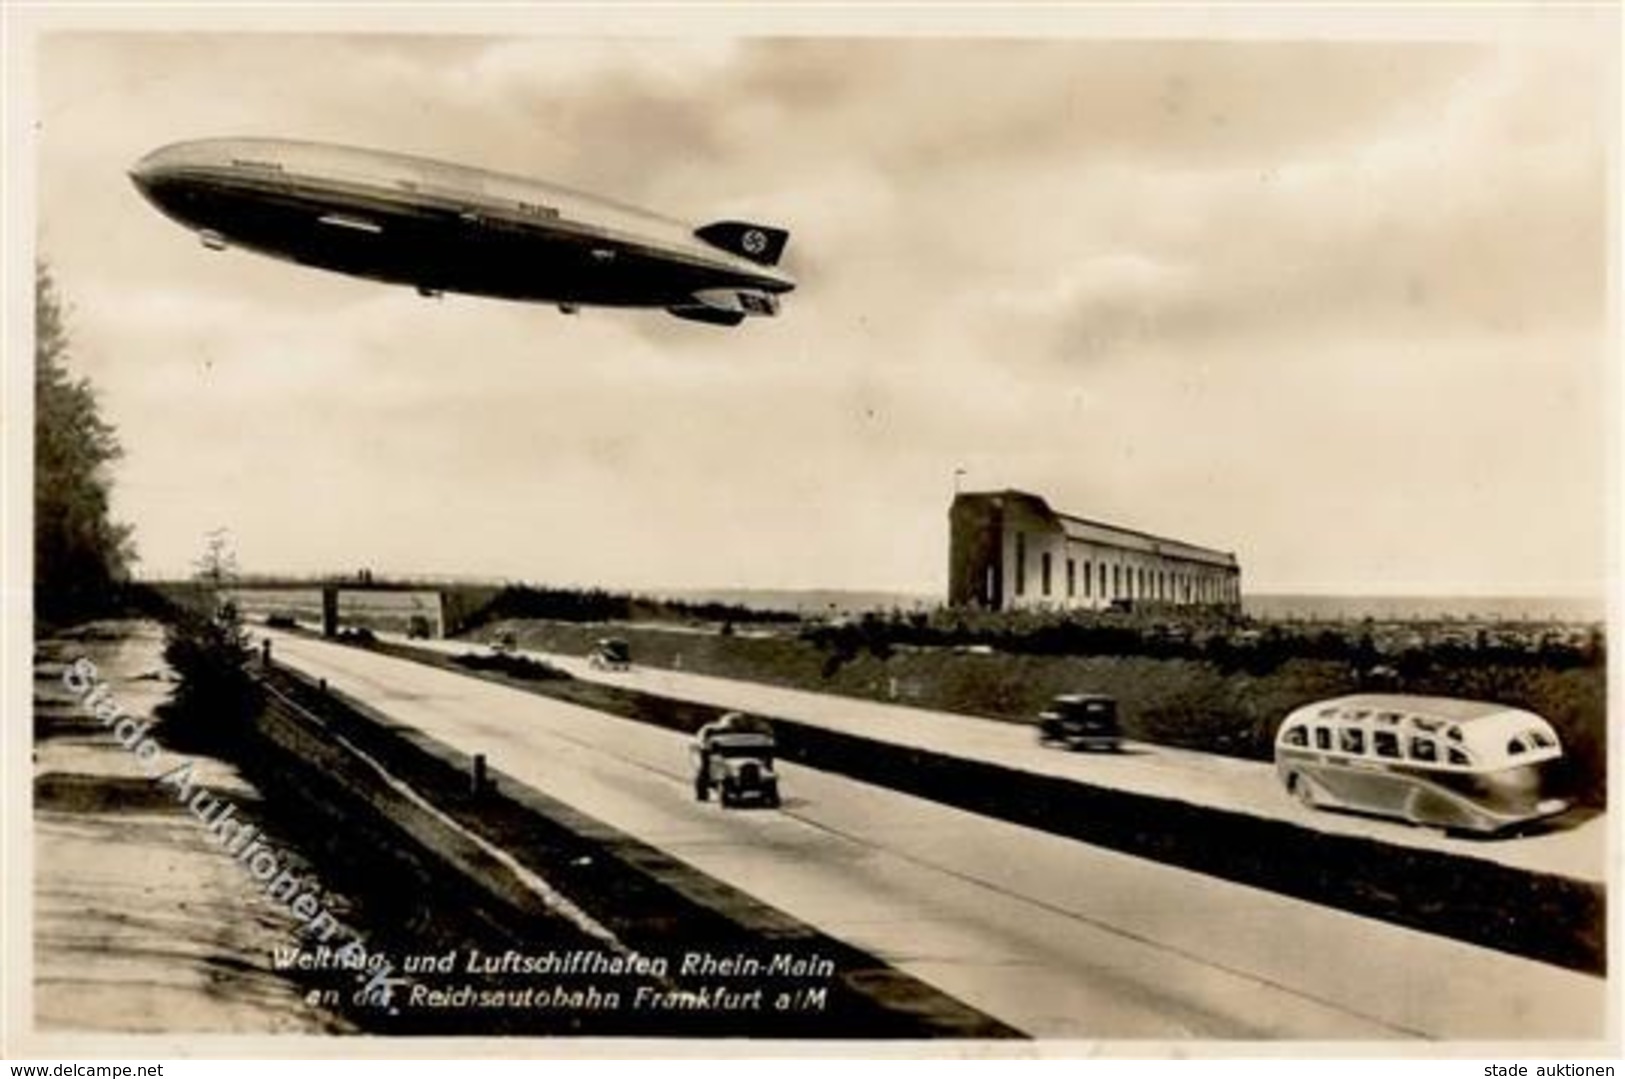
[(611, 654), (734, 757), (1081, 721)]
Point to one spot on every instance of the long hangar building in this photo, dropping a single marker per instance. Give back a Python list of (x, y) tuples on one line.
[(1009, 549)]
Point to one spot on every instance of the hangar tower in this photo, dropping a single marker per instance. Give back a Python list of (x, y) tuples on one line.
[(1009, 550)]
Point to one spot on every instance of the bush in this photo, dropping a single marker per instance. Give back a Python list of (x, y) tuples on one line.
[(1228, 641), (215, 695)]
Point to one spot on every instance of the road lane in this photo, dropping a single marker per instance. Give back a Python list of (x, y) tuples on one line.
[(1579, 851), (1057, 938)]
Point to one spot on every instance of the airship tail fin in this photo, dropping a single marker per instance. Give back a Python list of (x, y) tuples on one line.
[(759, 243)]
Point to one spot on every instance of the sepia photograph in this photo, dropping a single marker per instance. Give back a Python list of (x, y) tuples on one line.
[(949, 532)]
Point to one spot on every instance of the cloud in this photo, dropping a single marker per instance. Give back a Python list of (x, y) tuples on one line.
[(1215, 288)]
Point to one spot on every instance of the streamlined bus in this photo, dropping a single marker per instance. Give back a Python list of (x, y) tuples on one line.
[(1460, 765)]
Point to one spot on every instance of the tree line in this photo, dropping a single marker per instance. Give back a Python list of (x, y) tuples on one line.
[(82, 556)]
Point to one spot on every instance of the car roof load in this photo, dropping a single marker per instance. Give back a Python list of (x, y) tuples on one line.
[(740, 739)]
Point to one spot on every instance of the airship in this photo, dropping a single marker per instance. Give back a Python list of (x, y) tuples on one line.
[(446, 228)]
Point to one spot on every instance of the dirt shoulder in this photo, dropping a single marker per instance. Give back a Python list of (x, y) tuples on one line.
[(141, 925)]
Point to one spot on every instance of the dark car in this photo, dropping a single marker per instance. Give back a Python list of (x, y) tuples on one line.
[(611, 654), (734, 757), (1081, 721)]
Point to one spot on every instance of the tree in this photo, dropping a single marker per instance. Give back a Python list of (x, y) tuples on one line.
[(81, 556), (208, 646), (216, 568)]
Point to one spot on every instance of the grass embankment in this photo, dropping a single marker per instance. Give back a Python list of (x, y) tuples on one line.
[(1179, 702)]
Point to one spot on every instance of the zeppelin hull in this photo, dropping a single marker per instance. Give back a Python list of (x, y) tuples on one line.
[(377, 218), (440, 250)]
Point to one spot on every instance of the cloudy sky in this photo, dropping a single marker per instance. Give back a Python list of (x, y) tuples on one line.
[(1338, 305)]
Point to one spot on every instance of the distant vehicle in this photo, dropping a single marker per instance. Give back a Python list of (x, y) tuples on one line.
[(734, 757), (1081, 721), (417, 627), (1383, 676), (611, 654), (440, 227), (1469, 766)]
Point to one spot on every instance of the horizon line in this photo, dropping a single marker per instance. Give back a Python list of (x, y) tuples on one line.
[(1300, 592)]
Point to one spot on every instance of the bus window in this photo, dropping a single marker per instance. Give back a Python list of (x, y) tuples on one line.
[(1541, 739), (1424, 749), (1458, 756), (1389, 717), (1515, 746), (1323, 738), (1295, 736), (1351, 740), (1385, 743), (1454, 734)]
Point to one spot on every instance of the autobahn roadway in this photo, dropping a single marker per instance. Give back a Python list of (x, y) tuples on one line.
[(1576, 848), (1057, 938)]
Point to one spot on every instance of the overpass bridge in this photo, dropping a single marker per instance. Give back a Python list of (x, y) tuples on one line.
[(447, 607)]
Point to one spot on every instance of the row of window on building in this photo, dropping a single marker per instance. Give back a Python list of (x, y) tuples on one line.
[(1109, 581)]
